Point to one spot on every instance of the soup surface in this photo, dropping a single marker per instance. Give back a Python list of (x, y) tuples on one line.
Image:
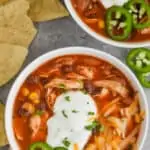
[(94, 12), (77, 102)]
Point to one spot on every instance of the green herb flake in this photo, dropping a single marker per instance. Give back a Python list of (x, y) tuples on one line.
[(84, 91), (67, 98), (95, 126), (62, 86), (75, 111), (92, 126), (81, 83), (64, 114), (39, 112), (91, 113), (66, 142), (102, 128)]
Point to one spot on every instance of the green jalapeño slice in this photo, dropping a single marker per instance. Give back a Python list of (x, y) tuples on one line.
[(140, 11), (40, 146), (144, 78), (138, 59), (118, 23)]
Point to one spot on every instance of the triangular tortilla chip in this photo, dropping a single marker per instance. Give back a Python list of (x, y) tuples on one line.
[(3, 139), (11, 60), (44, 10), (13, 36), (13, 17)]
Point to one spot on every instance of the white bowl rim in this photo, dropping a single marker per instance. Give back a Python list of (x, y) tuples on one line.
[(99, 37), (69, 51)]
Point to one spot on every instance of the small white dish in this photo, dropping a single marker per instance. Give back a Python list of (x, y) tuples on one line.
[(99, 37)]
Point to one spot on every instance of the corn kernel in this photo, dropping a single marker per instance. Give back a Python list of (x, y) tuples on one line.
[(25, 92), (137, 118), (36, 101), (33, 96), (101, 24)]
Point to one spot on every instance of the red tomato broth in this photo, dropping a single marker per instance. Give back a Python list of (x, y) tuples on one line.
[(36, 83), (100, 15)]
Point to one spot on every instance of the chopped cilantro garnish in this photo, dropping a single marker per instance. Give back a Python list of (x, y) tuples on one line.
[(39, 112), (62, 86), (64, 114), (60, 148), (66, 142), (81, 83), (67, 98), (92, 126), (95, 126), (84, 91), (91, 113), (102, 128), (75, 111)]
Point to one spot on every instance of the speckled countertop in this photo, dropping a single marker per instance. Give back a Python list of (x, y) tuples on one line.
[(61, 33)]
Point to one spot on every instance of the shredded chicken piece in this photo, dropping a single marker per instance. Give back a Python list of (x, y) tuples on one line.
[(65, 84), (119, 124), (91, 147), (50, 97), (100, 142), (123, 145), (115, 143), (104, 93), (86, 71), (114, 86), (145, 31), (109, 136), (34, 124), (65, 61), (131, 110), (83, 4), (108, 146), (76, 76), (47, 74), (108, 109)]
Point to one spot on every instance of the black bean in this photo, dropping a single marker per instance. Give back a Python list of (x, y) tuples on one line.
[(42, 106), (66, 68), (23, 112), (44, 80), (90, 88), (33, 79)]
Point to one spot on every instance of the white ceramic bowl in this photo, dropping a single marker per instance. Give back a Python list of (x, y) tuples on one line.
[(99, 37), (65, 51)]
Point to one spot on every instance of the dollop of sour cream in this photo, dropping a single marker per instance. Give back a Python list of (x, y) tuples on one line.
[(110, 3), (72, 113)]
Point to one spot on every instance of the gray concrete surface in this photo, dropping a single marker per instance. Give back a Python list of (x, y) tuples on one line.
[(61, 33)]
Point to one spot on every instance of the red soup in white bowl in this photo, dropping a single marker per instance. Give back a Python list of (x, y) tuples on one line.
[(76, 98), (121, 23)]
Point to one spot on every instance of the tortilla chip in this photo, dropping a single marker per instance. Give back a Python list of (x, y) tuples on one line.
[(13, 36), (11, 60), (44, 10), (3, 139), (15, 25), (3, 1)]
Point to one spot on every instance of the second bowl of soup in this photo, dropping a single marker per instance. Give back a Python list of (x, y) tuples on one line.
[(76, 99), (123, 23)]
